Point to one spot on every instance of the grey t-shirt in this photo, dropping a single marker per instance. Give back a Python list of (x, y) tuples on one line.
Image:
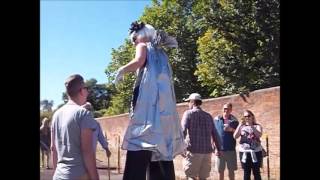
[(67, 123)]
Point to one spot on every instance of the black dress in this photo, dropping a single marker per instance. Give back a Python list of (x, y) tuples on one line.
[(45, 139)]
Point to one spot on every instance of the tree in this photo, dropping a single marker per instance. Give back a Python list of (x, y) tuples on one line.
[(225, 47), (46, 105), (46, 109), (121, 95), (99, 95), (176, 18), (245, 40), (207, 70), (167, 17)]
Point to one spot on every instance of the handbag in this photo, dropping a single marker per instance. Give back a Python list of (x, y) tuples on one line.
[(264, 152)]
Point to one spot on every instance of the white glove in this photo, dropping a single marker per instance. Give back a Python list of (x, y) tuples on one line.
[(119, 75)]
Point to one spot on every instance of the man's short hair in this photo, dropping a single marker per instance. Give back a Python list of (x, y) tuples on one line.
[(228, 105), (73, 84), (196, 102)]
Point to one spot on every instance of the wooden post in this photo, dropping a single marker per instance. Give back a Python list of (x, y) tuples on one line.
[(119, 154), (109, 168), (268, 167)]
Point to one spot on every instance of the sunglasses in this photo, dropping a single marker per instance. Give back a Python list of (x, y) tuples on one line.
[(248, 116), (85, 87)]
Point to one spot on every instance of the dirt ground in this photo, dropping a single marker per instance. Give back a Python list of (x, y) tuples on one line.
[(46, 174)]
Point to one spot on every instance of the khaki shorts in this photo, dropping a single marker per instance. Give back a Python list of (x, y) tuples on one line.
[(229, 158), (84, 177), (197, 165)]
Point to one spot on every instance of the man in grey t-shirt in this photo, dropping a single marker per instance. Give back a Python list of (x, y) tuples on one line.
[(72, 134)]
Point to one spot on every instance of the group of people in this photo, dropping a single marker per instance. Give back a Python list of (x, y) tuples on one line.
[(154, 136), (201, 131)]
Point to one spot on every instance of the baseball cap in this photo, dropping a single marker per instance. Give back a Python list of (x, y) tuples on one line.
[(193, 96)]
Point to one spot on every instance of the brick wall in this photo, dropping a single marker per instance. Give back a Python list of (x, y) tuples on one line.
[(264, 103)]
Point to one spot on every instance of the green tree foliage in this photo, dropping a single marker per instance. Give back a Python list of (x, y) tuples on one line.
[(121, 95), (169, 17), (46, 105), (245, 40), (176, 18), (45, 114), (99, 95), (207, 68), (46, 110)]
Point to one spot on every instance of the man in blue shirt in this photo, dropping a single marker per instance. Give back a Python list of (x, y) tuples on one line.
[(226, 124)]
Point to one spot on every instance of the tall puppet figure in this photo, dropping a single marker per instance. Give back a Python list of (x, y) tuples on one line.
[(154, 135)]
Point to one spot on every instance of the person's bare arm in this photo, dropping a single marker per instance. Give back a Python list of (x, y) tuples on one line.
[(236, 133), (103, 141), (139, 59), (88, 154), (257, 130)]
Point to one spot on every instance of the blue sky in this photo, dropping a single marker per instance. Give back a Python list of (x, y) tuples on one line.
[(77, 37)]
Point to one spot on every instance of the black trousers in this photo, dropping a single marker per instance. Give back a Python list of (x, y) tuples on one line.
[(139, 167), (249, 165)]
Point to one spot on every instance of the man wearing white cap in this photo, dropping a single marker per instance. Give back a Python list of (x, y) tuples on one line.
[(198, 129)]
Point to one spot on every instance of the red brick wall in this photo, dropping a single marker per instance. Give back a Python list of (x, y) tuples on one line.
[(264, 103)]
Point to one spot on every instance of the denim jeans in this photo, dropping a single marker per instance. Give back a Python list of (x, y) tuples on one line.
[(249, 165)]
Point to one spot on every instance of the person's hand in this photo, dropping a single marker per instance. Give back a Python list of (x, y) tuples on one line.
[(108, 152), (119, 75), (219, 153), (227, 128), (183, 155)]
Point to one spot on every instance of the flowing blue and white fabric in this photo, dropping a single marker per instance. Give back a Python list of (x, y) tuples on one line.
[(155, 124)]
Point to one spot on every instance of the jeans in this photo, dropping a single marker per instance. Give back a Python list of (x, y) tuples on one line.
[(249, 165)]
